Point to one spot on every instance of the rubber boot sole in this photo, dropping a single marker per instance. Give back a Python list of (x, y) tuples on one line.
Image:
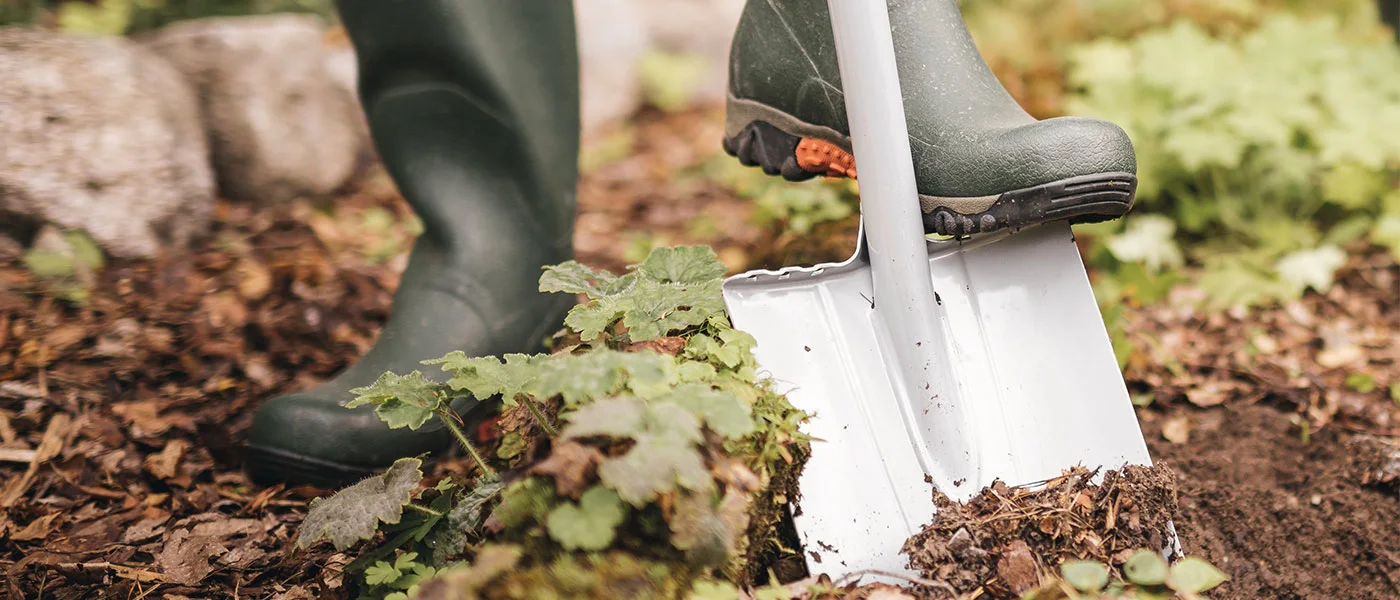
[(269, 465), (797, 157)]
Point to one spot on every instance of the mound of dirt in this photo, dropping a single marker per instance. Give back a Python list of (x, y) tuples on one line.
[(1283, 518), (1005, 541)]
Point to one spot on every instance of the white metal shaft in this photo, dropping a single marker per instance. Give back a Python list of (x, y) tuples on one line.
[(906, 319)]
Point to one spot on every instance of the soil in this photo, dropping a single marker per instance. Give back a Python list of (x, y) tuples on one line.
[(1283, 518), (121, 422)]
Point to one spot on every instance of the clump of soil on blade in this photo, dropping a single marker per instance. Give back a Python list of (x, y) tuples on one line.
[(1005, 541)]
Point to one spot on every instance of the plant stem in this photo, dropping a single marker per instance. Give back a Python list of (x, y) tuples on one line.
[(466, 442), (539, 415), (422, 509)]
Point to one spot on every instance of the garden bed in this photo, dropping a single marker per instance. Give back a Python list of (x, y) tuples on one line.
[(122, 421)]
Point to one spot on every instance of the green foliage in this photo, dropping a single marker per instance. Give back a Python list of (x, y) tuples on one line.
[(673, 289), (592, 524), (1146, 576), (795, 207), (657, 462), (1263, 151), (65, 263), (122, 17), (400, 400), (669, 80)]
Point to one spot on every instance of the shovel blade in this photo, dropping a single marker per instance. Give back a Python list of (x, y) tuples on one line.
[(1029, 386)]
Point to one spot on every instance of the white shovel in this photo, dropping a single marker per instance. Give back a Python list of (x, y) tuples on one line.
[(954, 362)]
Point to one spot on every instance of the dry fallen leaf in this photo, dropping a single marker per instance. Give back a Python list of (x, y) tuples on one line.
[(571, 465), (1177, 430), (166, 464), (37, 529)]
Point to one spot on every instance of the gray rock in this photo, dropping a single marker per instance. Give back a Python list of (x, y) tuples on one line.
[(100, 135), (272, 89)]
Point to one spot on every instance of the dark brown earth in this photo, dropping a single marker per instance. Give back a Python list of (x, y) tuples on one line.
[(121, 422), (1283, 518)]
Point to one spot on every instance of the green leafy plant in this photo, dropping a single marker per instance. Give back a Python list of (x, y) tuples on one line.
[(793, 207), (1262, 153), (645, 440), (65, 263), (1145, 576)]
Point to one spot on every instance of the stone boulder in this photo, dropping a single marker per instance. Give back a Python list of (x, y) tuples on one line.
[(102, 135), (281, 120)]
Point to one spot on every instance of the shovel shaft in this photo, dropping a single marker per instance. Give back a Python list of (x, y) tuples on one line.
[(905, 315)]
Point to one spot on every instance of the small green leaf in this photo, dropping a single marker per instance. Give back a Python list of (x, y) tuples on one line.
[(574, 277), (1361, 382), (354, 513), (381, 573), (1146, 567), (682, 264), (512, 444), (464, 519), (487, 376), (655, 465), (615, 417), (399, 400), (722, 411), (1193, 575), (1085, 575), (589, 525)]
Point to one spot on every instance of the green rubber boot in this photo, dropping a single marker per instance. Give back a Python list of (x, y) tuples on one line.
[(982, 163), (474, 110)]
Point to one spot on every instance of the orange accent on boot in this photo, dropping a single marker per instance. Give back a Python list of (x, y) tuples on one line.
[(820, 156)]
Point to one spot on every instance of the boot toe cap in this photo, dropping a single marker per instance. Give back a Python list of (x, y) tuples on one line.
[(301, 438), (1030, 155)]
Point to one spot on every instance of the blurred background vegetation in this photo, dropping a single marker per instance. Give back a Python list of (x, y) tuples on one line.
[(115, 17), (1267, 131)]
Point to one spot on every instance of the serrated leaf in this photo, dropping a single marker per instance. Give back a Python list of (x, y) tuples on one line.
[(1085, 575), (1315, 268), (615, 417), (381, 573), (682, 264), (656, 464), (465, 518), (589, 525), (603, 373), (487, 376), (399, 400), (696, 371), (673, 289), (1146, 567), (1193, 575), (574, 277), (354, 513), (722, 411)]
